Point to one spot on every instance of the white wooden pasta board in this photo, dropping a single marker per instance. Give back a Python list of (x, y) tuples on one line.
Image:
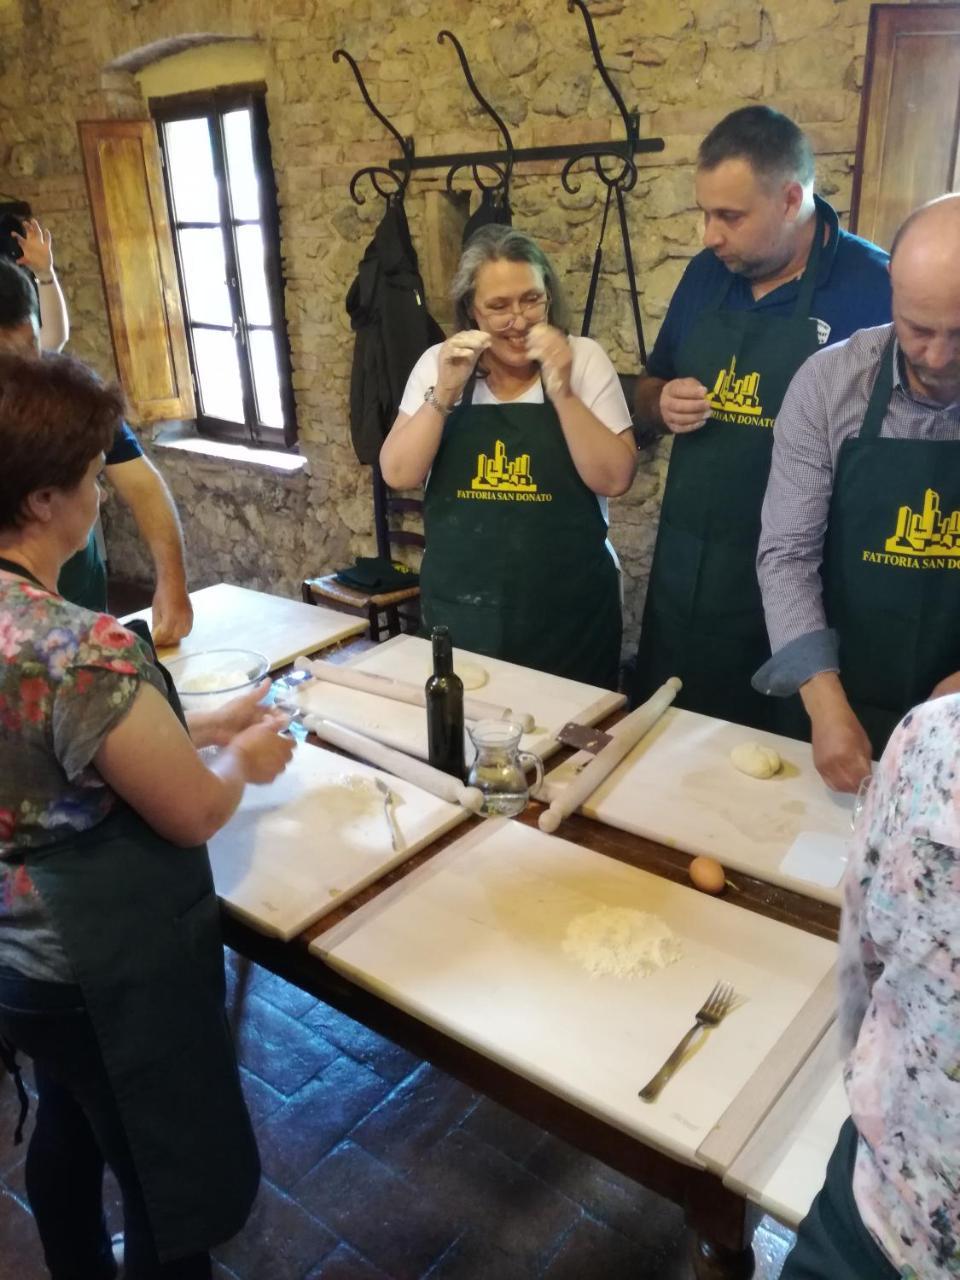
[(472, 943), (783, 1165), (226, 617), (551, 700), (313, 837), (678, 787)]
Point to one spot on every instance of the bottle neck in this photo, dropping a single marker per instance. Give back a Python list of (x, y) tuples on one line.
[(442, 653)]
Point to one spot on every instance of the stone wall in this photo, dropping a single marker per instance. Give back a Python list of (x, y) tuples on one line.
[(682, 63)]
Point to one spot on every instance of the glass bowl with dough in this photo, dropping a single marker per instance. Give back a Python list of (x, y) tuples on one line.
[(207, 680)]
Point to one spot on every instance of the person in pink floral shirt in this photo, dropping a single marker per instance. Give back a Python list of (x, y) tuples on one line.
[(111, 962), (891, 1203)]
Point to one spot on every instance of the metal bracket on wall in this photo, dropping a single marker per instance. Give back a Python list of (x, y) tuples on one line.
[(501, 187), (571, 152), (617, 183), (399, 172)]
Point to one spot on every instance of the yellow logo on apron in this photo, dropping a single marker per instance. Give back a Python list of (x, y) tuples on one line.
[(926, 533), (501, 479), (736, 395), (924, 539), (498, 472)]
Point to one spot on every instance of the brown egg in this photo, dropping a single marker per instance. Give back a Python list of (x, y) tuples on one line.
[(707, 875)]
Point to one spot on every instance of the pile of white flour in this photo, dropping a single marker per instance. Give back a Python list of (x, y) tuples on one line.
[(621, 941)]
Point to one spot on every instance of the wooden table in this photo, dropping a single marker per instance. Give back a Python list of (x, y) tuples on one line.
[(717, 1216)]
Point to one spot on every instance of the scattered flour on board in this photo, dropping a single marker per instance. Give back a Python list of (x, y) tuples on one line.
[(621, 941)]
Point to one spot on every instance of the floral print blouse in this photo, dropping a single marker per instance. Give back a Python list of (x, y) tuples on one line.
[(900, 995), (67, 677)]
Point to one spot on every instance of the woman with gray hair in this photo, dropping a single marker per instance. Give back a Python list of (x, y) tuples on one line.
[(520, 434)]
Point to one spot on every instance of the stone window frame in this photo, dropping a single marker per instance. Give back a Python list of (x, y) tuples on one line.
[(213, 104)]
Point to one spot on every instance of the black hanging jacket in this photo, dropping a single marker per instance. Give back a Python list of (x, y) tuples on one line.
[(493, 210), (388, 314)]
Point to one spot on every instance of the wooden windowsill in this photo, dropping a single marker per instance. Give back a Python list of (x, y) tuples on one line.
[(226, 451)]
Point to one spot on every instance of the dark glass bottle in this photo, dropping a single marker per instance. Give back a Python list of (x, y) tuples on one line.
[(444, 692)]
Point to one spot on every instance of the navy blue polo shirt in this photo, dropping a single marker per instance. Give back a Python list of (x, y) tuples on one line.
[(125, 447), (852, 292)]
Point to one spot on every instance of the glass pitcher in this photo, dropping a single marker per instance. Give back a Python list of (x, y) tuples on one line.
[(498, 770)]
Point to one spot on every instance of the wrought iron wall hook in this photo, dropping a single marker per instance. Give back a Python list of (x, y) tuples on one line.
[(504, 173), (375, 173), (626, 177), (612, 89), (398, 181)]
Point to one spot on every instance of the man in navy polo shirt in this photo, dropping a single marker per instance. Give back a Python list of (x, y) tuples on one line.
[(28, 328), (777, 280)]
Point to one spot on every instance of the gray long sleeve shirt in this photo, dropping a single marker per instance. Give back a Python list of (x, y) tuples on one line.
[(824, 405)]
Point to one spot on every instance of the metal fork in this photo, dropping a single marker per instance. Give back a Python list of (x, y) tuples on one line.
[(715, 1008), (389, 800)]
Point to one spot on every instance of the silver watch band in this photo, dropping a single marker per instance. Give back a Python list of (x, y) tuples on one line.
[(430, 397)]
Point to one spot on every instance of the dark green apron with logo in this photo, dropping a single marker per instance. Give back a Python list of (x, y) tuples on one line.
[(891, 566), (703, 619), (516, 561), (83, 579), (139, 921)]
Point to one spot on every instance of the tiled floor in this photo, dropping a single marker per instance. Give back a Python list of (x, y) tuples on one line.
[(377, 1165)]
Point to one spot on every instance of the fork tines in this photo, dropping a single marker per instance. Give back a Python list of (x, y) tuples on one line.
[(719, 1002)]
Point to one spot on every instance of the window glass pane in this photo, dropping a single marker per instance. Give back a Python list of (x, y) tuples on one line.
[(266, 378), (218, 373), (253, 276), (205, 275), (193, 182), (238, 141)]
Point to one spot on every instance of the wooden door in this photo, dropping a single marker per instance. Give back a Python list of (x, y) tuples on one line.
[(127, 200), (909, 115)]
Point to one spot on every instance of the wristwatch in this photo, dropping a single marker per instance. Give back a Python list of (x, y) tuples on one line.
[(430, 397)]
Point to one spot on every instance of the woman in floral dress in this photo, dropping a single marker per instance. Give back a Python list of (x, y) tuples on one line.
[(890, 1206), (111, 967)]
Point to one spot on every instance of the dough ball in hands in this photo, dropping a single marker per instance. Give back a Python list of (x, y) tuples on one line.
[(756, 760)]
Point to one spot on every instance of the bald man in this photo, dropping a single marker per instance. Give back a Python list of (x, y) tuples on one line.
[(859, 556)]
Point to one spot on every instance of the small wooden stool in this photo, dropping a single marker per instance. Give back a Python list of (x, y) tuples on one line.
[(381, 609)]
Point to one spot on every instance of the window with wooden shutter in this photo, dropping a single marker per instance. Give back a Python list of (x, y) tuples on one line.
[(222, 201), (127, 200)]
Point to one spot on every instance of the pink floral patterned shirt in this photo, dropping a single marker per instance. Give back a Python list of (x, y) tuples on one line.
[(900, 995), (67, 677)]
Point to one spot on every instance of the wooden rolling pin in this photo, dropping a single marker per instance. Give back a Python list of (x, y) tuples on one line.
[(403, 691), (398, 763), (629, 732)]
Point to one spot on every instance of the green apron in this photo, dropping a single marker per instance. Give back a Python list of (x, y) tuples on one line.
[(833, 1242), (891, 567), (703, 619), (83, 579), (516, 561), (139, 921)]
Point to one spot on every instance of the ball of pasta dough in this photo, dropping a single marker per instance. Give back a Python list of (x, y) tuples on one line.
[(756, 760), (471, 673)]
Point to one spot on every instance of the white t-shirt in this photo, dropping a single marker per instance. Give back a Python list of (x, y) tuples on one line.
[(592, 378)]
